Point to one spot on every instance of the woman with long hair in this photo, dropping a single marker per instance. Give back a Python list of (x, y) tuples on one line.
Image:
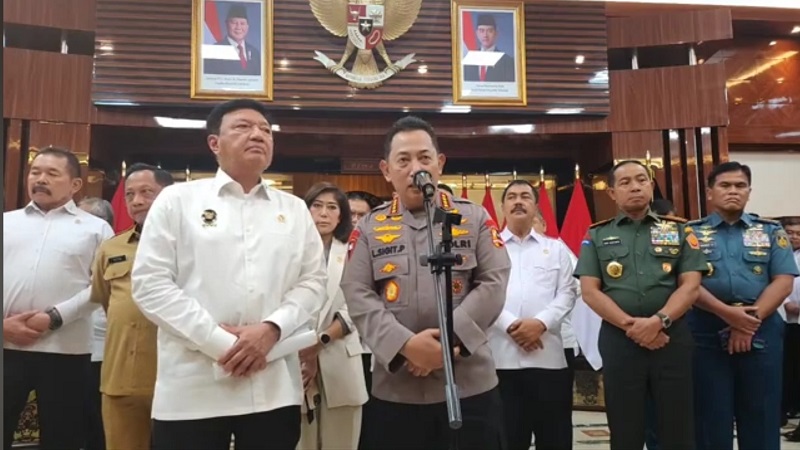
[(332, 371)]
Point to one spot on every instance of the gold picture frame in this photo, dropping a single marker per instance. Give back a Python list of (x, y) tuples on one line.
[(232, 52), (476, 24)]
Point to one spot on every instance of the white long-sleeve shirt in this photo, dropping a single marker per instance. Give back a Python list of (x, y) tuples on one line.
[(541, 286), (210, 254), (47, 261), (794, 297)]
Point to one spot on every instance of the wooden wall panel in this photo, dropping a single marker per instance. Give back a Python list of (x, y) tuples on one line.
[(46, 86), (668, 97), (66, 14), (75, 137), (764, 90), (374, 184), (670, 28), (156, 69), (12, 175)]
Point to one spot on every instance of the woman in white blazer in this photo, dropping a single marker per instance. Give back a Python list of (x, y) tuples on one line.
[(333, 376)]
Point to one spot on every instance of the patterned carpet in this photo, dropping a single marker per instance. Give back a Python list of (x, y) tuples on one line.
[(591, 432)]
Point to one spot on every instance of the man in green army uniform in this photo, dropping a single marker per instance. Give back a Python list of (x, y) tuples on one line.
[(641, 272)]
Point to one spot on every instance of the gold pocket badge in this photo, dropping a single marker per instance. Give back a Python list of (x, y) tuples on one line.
[(710, 269), (614, 269), (758, 270), (666, 267), (458, 287), (388, 268), (392, 291)]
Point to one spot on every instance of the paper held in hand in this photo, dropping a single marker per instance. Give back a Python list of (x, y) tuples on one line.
[(300, 339)]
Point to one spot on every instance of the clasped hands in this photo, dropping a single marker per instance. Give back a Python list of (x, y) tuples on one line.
[(423, 353), (743, 324), (249, 354), (26, 328), (527, 333), (646, 331)]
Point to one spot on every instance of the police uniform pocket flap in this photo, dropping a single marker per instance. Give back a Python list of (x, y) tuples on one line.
[(609, 252), (117, 270), (386, 268)]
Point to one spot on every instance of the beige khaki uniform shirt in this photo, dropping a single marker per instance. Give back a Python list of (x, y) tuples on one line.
[(390, 296), (129, 360)]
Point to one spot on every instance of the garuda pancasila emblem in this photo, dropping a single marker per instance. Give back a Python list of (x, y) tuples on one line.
[(367, 24)]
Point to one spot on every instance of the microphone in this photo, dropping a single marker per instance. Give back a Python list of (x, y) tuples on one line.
[(424, 182)]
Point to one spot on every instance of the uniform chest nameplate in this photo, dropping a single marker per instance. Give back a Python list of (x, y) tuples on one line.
[(388, 250)]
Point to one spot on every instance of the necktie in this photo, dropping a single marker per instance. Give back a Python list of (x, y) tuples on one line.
[(483, 73), (241, 56)]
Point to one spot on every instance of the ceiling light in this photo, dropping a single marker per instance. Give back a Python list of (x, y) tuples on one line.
[(796, 29), (423, 68), (284, 62), (512, 129), (773, 43), (580, 59), (171, 122), (455, 109), (564, 111), (275, 127)]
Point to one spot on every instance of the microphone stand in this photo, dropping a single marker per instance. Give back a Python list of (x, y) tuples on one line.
[(441, 261)]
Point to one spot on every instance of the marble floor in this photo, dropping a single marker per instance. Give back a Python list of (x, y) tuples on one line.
[(591, 432)]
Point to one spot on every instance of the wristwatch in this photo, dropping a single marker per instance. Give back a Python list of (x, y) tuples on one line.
[(666, 322), (55, 318), (324, 339)]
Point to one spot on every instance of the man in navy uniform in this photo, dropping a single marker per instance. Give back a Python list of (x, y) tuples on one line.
[(738, 336)]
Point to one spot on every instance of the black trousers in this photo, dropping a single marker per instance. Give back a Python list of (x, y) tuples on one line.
[(271, 430), (414, 427), (95, 436), (791, 369), (630, 371), (537, 402), (60, 384), (367, 414)]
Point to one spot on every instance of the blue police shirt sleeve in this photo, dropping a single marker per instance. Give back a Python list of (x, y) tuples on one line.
[(781, 261)]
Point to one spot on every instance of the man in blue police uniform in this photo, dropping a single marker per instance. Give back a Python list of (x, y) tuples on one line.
[(738, 336)]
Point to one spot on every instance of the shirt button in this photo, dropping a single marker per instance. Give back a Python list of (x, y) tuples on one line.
[(641, 273)]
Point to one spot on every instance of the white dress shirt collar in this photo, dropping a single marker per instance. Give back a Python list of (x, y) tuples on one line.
[(69, 207), (223, 183), (508, 236)]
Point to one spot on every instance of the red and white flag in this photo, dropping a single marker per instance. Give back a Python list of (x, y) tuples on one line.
[(122, 221), (577, 221), (546, 208)]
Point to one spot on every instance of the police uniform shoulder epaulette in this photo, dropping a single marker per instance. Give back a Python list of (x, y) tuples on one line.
[(673, 218), (382, 206), (600, 223)]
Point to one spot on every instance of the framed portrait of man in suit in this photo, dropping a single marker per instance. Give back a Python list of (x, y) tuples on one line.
[(489, 52), (232, 49)]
